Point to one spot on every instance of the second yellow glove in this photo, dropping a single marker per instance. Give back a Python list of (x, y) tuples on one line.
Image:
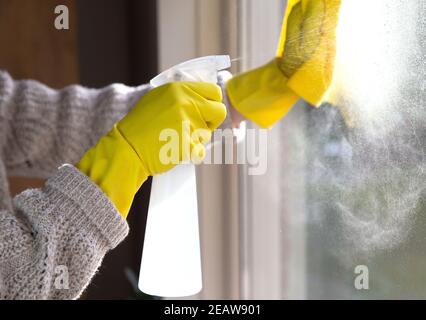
[(303, 66)]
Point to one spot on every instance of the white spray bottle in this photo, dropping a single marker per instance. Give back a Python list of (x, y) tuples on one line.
[(171, 262)]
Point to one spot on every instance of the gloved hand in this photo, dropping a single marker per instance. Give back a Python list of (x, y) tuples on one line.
[(136, 148), (302, 68)]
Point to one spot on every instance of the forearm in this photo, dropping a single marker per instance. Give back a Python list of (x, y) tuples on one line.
[(41, 128), (55, 238)]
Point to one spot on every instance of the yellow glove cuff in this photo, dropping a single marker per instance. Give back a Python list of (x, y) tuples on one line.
[(116, 168)]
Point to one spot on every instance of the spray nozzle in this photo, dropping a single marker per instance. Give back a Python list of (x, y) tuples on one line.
[(202, 69)]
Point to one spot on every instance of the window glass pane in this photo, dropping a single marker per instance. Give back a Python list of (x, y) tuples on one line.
[(366, 168)]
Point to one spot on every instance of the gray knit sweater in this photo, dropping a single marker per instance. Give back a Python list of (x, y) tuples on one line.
[(53, 239)]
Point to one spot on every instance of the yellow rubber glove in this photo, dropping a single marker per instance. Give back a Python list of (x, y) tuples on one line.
[(133, 150), (303, 67)]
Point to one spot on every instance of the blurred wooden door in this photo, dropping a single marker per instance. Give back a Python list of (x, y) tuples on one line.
[(31, 47)]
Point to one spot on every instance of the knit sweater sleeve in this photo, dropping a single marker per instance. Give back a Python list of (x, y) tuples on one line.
[(42, 128), (54, 239)]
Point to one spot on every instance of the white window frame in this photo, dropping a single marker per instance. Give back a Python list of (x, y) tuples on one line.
[(234, 227)]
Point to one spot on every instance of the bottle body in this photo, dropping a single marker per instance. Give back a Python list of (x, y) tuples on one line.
[(171, 262)]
